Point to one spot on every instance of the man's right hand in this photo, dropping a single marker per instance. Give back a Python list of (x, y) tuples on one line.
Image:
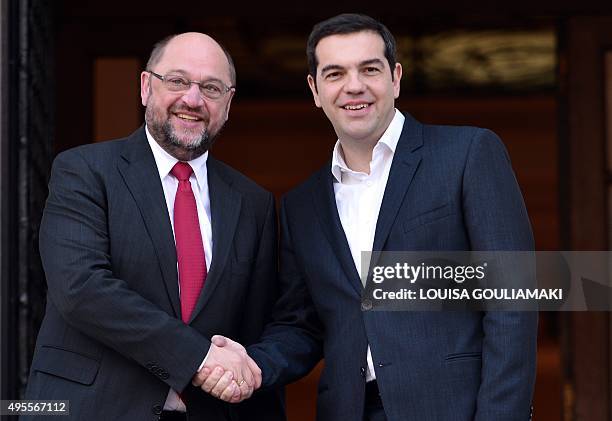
[(228, 373)]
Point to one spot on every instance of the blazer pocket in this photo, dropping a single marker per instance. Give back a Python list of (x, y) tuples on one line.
[(67, 364), (428, 216), (463, 356)]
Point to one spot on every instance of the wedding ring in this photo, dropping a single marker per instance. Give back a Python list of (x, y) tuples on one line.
[(241, 382)]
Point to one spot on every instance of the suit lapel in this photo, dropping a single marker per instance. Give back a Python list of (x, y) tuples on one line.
[(406, 160), (140, 174), (324, 199), (225, 205)]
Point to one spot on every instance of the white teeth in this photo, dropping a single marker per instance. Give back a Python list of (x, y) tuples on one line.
[(356, 107), (187, 117)]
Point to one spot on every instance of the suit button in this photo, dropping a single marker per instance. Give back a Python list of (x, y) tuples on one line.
[(157, 409), (366, 304), (363, 371)]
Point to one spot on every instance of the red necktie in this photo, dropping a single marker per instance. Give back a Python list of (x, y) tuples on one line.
[(189, 247)]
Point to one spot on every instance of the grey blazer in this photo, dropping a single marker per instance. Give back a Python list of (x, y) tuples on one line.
[(449, 188), (112, 340)]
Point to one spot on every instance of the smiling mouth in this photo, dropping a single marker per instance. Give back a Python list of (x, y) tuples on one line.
[(188, 117), (356, 107)]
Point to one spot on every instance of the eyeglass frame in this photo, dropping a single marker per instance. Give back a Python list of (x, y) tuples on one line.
[(199, 83)]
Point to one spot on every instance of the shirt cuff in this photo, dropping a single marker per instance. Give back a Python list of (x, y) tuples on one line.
[(205, 358)]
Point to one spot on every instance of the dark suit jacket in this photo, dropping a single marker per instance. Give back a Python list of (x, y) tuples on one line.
[(449, 188), (112, 340)]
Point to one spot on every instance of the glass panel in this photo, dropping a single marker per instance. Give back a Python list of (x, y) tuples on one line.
[(520, 60)]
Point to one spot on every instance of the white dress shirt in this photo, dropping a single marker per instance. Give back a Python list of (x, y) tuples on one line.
[(359, 196), (199, 185)]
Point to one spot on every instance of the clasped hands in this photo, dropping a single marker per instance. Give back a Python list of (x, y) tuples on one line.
[(228, 373)]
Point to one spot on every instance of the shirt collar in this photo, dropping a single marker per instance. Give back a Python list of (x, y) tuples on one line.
[(389, 139), (165, 162)]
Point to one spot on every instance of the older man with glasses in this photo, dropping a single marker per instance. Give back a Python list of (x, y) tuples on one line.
[(150, 245)]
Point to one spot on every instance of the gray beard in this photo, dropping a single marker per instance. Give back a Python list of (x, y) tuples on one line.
[(165, 136)]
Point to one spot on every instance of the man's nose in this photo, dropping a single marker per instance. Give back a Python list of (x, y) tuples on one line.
[(193, 96), (354, 84)]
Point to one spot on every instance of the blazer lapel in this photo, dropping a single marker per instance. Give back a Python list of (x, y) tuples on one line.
[(139, 171), (225, 205), (406, 160), (324, 199)]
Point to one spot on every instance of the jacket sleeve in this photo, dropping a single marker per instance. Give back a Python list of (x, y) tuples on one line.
[(75, 251), (496, 219), (291, 344)]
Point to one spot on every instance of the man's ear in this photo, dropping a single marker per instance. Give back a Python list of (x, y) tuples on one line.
[(229, 102), (312, 84), (397, 77), (145, 87)]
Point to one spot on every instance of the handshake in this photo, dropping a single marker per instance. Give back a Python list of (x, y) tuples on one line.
[(228, 373)]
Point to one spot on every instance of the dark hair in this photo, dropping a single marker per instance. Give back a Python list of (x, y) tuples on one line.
[(160, 46), (348, 23)]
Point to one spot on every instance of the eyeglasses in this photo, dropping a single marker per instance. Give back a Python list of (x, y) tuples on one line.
[(212, 89)]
